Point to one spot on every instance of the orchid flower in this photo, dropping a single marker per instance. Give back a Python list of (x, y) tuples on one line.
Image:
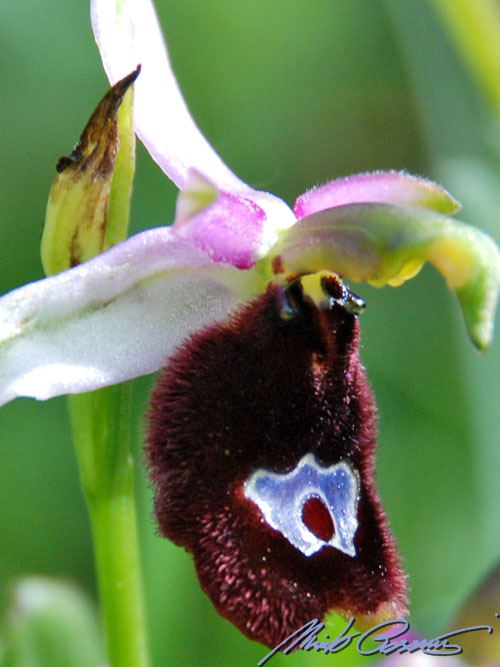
[(224, 246), (223, 299)]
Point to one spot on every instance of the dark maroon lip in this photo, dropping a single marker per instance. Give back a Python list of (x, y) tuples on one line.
[(264, 391)]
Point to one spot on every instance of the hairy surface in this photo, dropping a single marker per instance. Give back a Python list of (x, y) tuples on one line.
[(262, 391)]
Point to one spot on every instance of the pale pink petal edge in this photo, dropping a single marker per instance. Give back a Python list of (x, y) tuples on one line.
[(383, 187)]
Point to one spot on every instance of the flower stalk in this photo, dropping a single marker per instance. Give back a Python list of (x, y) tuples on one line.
[(88, 212), (100, 423)]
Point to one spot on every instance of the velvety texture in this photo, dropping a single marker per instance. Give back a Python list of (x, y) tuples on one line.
[(261, 391)]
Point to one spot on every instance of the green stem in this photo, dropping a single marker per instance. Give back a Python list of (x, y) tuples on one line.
[(101, 432)]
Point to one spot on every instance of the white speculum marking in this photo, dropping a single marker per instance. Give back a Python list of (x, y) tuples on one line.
[(281, 499)]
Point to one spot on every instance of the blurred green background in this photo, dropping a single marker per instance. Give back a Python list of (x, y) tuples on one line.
[(291, 94)]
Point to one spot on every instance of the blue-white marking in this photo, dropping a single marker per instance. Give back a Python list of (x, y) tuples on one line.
[(281, 497)]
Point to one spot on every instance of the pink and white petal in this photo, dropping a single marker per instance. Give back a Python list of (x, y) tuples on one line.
[(115, 317), (384, 187), (228, 228), (128, 33), (197, 193), (279, 216), (231, 229)]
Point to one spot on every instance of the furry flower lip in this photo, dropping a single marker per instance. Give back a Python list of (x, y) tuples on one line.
[(252, 420), (264, 388)]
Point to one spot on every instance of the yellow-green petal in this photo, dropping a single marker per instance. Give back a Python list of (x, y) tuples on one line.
[(383, 244)]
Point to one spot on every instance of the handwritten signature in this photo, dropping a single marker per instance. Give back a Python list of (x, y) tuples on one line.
[(306, 639)]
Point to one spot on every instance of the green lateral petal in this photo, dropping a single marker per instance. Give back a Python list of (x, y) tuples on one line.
[(384, 244)]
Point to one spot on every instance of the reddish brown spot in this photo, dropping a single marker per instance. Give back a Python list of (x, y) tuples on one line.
[(277, 265), (317, 518)]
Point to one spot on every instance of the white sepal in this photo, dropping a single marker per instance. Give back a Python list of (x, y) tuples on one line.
[(112, 318)]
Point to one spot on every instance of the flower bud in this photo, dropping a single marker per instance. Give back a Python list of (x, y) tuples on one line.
[(88, 205)]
